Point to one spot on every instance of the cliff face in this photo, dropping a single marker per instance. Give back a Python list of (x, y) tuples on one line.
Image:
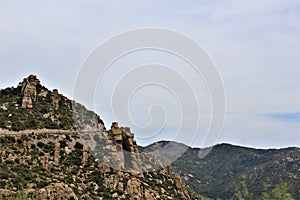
[(52, 146)]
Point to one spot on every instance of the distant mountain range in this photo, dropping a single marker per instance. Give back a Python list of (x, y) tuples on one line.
[(221, 172)]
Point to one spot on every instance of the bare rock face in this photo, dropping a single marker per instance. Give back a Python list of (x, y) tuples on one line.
[(29, 91), (135, 147), (116, 135), (55, 98), (128, 139), (117, 159), (124, 149)]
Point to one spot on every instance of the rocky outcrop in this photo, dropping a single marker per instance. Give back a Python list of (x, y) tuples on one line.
[(57, 191), (43, 93), (45, 162), (56, 153), (29, 92), (85, 155), (55, 98), (134, 188), (123, 149), (117, 135)]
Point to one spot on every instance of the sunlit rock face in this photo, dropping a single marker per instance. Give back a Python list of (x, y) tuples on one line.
[(29, 91)]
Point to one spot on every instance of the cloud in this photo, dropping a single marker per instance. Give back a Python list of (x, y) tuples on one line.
[(288, 117)]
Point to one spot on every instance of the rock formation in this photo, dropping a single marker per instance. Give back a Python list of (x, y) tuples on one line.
[(134, 188), (45, 162), (43, 93), (128, 139), (29, 91), (57, 191), (117, 135), (124, 150), (56, 153), (55, 98), (85, 155), (117, 156)]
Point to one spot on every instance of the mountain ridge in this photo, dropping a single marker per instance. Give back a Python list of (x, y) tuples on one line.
[(219, 171), (221, 143)]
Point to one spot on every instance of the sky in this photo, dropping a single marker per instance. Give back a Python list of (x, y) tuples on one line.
[(254, 45)]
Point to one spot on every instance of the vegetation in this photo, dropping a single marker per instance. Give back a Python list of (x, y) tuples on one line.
[(43, 114), (221, 172), (21, 196), (280, 192), (24, 170)]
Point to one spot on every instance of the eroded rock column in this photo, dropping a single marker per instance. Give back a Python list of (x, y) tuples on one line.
[(85, 155), (117, 151), (29, 91), (55, 98), (56, 153)]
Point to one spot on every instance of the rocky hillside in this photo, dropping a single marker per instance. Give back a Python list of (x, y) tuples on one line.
[(52, 147), (30, 105), (221, 172)]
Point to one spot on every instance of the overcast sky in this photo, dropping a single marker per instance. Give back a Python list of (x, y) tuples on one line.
[(255, 46)]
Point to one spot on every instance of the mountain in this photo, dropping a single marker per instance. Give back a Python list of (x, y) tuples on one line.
[(219, 174), (54, 148)]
